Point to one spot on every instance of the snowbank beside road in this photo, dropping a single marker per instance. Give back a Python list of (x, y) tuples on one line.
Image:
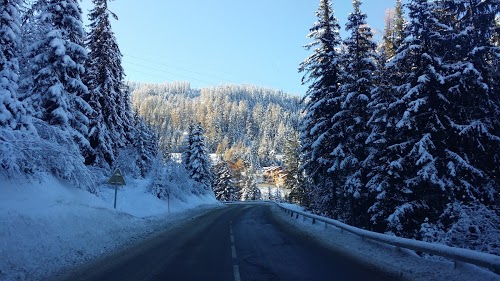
[(403, 263), (47, 225)]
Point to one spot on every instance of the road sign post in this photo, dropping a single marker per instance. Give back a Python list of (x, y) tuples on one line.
[(168, 200), (116, 179)]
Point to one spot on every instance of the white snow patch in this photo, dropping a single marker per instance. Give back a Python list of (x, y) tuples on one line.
[(48, 225)]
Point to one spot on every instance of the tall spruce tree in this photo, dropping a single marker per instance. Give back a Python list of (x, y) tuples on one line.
[(249, 189), (146, 143), (416, 174), (199, 166), (350, 122), (474, 115), (187, 142), (224, 187), (111, 123), (57, 67), (12, 111), (321, 73), (291, 160)]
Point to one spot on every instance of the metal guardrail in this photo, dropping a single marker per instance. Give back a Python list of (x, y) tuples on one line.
[(456, 254)]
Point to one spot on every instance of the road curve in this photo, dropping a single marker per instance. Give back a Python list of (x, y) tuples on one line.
[(238, 242)]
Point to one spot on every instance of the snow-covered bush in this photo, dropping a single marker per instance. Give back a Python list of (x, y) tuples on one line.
[(173, 178), (127, 162), (51, 151), (476, 227), (14, 158), (473, 226)]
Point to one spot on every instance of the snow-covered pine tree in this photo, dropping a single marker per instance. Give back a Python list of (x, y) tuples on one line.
[(199, 166), (111, 122), (249, 189), (57, 66), (381, 97), (291, 160), (349, 127), (224, 187), (187, 142), (417, 133), (12, 111), (146, 143), (321, 72), (472, 81)]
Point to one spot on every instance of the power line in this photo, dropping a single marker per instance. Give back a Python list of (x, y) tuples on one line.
[(154, 56), (181, 68), (168, 72)]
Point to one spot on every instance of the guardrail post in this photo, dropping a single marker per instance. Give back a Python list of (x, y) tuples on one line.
[(297, 216), (314, 221), (325, 224), (291, 214)]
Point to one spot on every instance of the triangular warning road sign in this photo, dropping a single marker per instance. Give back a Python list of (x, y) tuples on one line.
[(117, 178), (117, 173)]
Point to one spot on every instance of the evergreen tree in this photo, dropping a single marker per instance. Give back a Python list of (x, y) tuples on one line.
[(416, 175), (376, 142), (111, 123), (58, 64), (322, 72), (249, 189), (474, 111), (186, 148), (350, 122), (291, 161), (224, 187), (12, 111), (145, 142), (199, 166)]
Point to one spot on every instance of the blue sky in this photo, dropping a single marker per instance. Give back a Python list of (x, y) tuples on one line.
[(222, 41)]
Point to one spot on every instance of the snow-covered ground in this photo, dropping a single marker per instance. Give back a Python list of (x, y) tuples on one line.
[(46, 225), (400, 262)]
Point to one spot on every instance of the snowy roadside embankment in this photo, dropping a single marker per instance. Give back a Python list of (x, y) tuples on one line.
[(47, 225), (400, 262)]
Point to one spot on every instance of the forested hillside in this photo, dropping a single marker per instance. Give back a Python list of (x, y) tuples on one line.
[(239, 120)]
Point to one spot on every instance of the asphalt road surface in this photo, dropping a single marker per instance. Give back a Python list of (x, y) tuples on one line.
[(238, 242)]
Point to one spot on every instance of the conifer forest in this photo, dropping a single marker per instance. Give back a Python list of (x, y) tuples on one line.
[(399, 135)]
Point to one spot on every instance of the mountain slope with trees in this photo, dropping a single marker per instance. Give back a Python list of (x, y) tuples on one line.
[(240, 121)]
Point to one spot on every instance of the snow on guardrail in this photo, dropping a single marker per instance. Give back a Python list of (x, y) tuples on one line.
[(457, 254)]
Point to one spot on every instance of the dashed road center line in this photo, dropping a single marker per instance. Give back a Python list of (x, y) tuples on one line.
[(236, 269)]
